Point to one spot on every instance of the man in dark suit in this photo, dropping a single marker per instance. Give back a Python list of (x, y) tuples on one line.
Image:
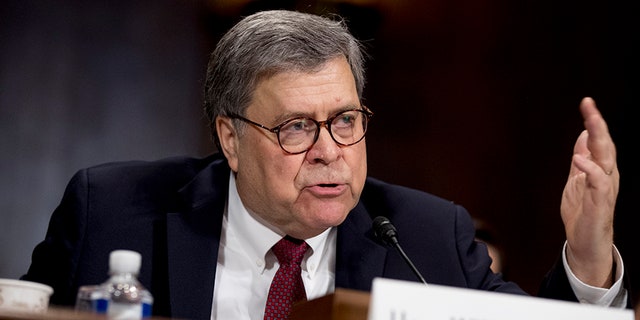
[(284, 97)]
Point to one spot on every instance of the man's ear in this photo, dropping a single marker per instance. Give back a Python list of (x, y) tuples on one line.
[(228, 138)]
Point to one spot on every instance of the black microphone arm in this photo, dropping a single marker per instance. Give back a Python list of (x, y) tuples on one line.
[(384, 230)]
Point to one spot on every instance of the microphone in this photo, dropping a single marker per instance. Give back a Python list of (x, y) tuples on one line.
[(385, 231)]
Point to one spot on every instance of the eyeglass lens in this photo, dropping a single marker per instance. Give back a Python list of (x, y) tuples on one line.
[(346, 128)]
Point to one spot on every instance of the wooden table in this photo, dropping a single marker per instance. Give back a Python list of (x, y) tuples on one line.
[(57, 313)]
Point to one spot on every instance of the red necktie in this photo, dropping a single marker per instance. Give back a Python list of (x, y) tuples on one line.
[(287, 286)]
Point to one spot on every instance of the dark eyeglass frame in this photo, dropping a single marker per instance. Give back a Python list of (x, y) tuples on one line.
[(319, 124)]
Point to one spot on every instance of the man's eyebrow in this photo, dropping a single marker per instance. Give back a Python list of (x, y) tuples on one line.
[(289, 115), (297, 114)]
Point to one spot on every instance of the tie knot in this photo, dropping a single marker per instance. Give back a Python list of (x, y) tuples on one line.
[(290, 250)]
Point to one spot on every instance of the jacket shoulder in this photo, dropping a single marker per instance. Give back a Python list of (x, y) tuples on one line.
[(380, 192), (158, 179), (178, 170), (411, 207)]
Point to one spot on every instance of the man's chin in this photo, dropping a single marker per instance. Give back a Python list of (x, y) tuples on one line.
[(329, 216)]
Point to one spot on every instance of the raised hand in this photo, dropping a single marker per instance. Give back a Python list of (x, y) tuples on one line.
[(589, 199)]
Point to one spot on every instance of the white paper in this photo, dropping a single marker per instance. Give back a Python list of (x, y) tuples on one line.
[(404, 300)]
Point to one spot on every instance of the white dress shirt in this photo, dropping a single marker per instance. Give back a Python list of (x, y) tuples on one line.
[(246, 266), (616, 296)]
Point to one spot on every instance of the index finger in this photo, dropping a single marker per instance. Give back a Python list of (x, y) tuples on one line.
[(599, 140)]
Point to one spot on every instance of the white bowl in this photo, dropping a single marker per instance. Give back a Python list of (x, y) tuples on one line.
[(24, 296)]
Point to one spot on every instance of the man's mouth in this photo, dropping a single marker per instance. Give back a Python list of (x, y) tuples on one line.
[(327, 189)]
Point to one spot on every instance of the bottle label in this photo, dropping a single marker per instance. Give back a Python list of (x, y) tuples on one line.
[(146, 310), (91, 299), (124, 311), (100, 305)]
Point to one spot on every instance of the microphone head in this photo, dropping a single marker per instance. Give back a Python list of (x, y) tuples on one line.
[(384, 230)]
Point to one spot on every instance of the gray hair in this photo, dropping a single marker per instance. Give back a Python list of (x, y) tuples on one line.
[(269, 42)]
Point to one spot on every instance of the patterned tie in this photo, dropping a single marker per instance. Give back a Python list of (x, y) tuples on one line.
[(286, 287)]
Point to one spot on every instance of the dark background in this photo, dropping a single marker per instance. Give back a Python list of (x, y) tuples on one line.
[(474, 101)]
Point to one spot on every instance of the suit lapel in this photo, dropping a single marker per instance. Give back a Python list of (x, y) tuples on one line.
[(193, 239), (359, 256), (193, 236)]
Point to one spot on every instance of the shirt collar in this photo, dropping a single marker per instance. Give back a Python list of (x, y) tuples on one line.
[(249, 233)]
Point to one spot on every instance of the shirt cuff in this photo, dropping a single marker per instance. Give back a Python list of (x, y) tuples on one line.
[(612, 297)]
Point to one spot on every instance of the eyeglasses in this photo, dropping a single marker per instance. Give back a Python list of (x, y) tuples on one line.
[(298, 135)]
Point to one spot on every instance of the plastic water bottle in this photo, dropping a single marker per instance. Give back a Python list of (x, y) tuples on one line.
[(127, 297)]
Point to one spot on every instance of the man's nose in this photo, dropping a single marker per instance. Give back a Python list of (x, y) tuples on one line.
[(325, 149)]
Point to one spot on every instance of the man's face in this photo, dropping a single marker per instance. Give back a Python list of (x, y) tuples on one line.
[(301, 194)]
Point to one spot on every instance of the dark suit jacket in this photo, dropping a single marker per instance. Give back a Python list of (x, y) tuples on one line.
[(171, 212)]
